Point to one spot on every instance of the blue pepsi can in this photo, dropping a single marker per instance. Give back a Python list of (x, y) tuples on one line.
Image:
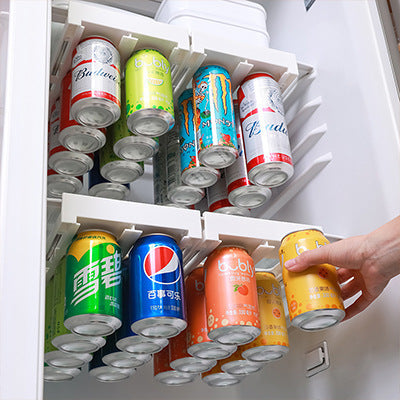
[(193, 173), (215, 120), (157, 307)]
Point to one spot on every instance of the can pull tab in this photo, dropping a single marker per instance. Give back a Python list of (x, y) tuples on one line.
[(317, 359)]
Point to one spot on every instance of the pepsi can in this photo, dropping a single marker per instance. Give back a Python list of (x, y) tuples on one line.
[(156, 302)]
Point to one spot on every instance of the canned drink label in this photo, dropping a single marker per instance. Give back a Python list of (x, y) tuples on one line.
[(161, 361), (174, 178), (96, 71), (93, 284), (148, 82), (59, 300), (54, 130), (217, 195), (178, 346), (48, 328), (160, 175), (106, 153), (215, 121), (66, 119)]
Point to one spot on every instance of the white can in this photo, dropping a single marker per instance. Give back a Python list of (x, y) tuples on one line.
[(96, 83)]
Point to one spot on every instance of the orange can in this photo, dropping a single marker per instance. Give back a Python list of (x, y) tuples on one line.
[(231, 296), (313, 296), (215, 377), (199, 344), (273, 342), (238, 366)]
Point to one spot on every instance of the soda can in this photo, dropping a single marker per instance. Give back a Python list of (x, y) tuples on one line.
[(57, 184), (148, 85), (157, 307), (273, 342), (127, 340), (62, 338), (238, 366), (106, 373), (218, 199), (182, 361), (215, 121), (199, 344), (313, 296), (100, 187), (163, 372), (74, 136), (61, 159), (215, 377), (266, 140), (93, 284), (52, 374), (193, 173), (231, 296), (96, 83), (241, 192)]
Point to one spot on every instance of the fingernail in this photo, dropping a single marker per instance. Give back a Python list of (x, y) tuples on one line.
[(290, 263)]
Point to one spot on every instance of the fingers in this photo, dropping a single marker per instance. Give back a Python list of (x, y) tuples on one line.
[(350, 289), (309, 258), (344, 274), (359, 305)]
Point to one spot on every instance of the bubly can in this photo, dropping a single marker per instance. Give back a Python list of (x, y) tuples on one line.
[(238, 366), (157, 305), (241, 192), (101, 187), (149, 103), (193, 173), (218, 200), (199, 344), (96, 83), (57, 184), (215, 121), (313, 296), (52, 374), (231, 296), (74, 136), (267, 147), (93, 284), (215, 377), (61, 159), (273, 342)]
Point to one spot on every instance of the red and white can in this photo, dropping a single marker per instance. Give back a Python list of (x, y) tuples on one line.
[(241, 192), (58, 184), (96, 83), (265, 134)]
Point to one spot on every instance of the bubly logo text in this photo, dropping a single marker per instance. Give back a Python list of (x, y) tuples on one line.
[(264, 291), (239, 266), (155, 62)]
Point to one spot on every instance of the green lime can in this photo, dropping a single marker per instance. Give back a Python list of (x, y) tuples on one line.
[(148, 87), (93, 290)]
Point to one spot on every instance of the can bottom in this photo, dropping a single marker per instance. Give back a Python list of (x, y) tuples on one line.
[(58, 184), (242, 367), (249, 196), (111, 374), (121, 171), (141, 345), (185, 195), (211, 350), (95, 112), (52, 374), (265, 353), (83, 139), (221, 379), (72, 343), (218, 156), (136, 148), (174, 378), (201, 176), (192, 365), (316, 320), (236, 334), (159, 327), (92, 324), (109, 190), (151, 122), (60, 359), (232, 210), (70, 163), (120, 359), (271, 174)]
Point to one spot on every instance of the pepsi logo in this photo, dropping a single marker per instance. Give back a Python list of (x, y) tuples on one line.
[(162, 265)]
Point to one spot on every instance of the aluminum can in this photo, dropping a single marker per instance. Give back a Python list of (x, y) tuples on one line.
[(267, 147), (231, 296), (74, 136), (52, 374), (182, 361), (61, 159), (313, 296), (241, 192), (215, 121), (93, 287), (193, 173), (156, 280), (199, 344), (106, 373), (100, 187), (57, 184), (215, 377), (62, 338), (238, 366), (273, 342), (218, 200), (149, 103), (163, 372), (96, 83)]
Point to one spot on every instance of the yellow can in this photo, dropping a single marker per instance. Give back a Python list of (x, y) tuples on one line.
[(273, 342), (313, 296)]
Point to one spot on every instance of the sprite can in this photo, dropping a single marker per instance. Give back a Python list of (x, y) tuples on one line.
[(148, 86), (93, 287)]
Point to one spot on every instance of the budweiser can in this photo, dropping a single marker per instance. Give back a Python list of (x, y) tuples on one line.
[(266, 140), (193, 173), (215, 121), (57, 184), (231, 296), (215, 377), (273, 342), (199, 344), (61, 159), (96, 83), (313, 296), (74, 136), (241, 192), (238, 366), (218, 201)]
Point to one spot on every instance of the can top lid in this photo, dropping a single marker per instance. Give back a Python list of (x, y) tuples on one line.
[(97, 230), (99, 37), (157, 233), (235, 246), (256, 75), (301, 230)]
